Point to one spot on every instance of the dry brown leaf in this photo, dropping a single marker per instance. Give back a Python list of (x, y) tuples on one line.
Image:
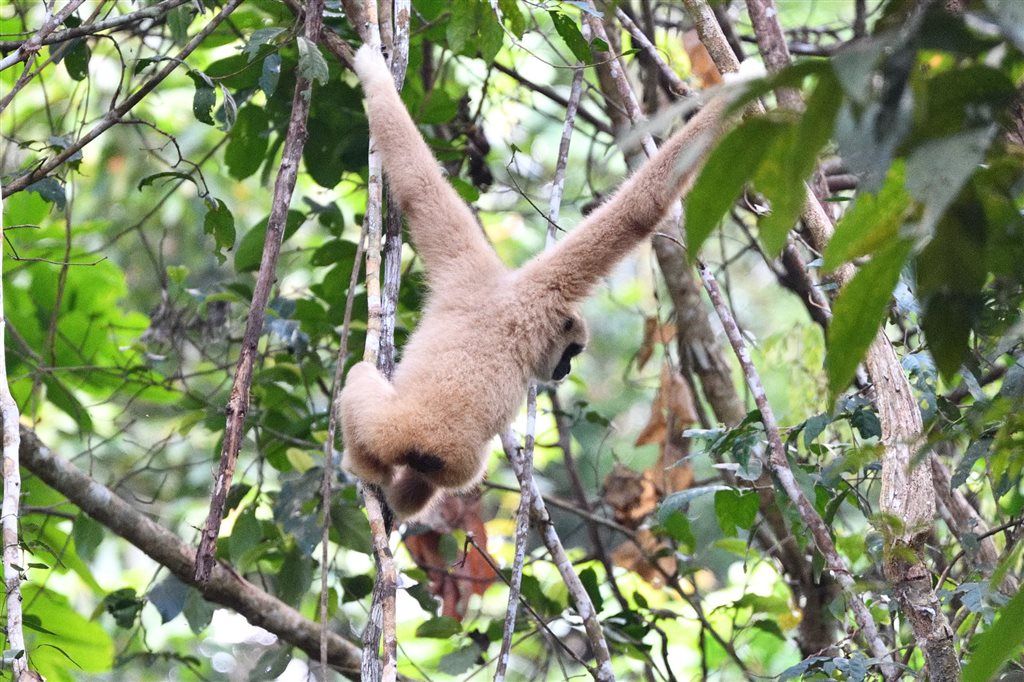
[(654, 333), (701, 63), (471, 573), (635, 559)]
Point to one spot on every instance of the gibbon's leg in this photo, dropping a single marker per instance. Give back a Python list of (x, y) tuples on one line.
[(365, 399), (591, 250), (443, 229), (410, 493)]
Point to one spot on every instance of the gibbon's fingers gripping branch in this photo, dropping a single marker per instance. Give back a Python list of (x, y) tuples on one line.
[(486, 329)]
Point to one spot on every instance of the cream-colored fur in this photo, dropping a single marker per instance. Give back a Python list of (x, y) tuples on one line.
[(486, 330)]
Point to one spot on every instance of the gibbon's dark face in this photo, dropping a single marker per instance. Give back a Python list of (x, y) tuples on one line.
[(570, 340)]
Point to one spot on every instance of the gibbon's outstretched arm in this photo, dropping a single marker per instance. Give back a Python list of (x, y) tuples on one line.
[(444, 231), (590, 251)]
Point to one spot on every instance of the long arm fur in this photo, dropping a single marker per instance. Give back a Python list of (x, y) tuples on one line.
[(443, 229), (591, 250)]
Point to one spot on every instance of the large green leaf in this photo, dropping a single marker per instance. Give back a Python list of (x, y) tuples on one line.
[(858, 312), (729, 167), (872, 222), (77, 645), (999, 643)]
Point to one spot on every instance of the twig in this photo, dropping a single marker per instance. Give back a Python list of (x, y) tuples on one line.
[(328, 472), (551, 94), (152, 12), (778, 463), (542, 519), (522, 530), (225, 587), (28, 49), (12, 559), (676, 84), (392, 254), (238, 403), (381, 623), (115, 113)]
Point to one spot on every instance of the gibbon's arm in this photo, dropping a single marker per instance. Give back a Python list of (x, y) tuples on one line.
[(589, 252), (444, 231)]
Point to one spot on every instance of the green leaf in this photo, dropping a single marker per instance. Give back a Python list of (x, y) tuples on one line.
[(333, 252), (786, 167), (151, 179), (461, 660), (124, 605), (998, 644), (356, 587), (168, 596), (198, 611), (88, 535), (50, 189), (220, 223), (735, 510), (729, 167), (312, 65), (461, 24), (75, 638), (259, 38), (571, 35), (938, 169), (873, 221), (677, 501), (205, 97), (588, 576), (271, 663), (76, 59), (247, 145), (858, 312), (270, 74), (245, 535), (178, 20), (514, 19), (441, 627), (353, 532)]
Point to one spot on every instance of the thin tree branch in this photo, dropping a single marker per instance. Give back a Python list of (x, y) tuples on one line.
[(553, 95), (117, 112), (152, 12), (9, 517), (778, 463), (522, 530), (329, 450), (381, 623), (676, 83), (238, 402), (542, 519)]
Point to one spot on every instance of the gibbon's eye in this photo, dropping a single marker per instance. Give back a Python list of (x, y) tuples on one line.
[(564, 365), (568, 325)]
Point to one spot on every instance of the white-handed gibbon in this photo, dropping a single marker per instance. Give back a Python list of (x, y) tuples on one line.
[(486, 330)]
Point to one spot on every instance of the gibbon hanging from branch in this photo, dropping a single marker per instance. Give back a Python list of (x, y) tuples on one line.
[(486, 330)]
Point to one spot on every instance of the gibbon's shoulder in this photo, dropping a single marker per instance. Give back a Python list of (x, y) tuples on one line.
[(369, 64)]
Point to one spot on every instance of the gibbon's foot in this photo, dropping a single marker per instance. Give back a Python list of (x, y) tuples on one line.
[(410, 493)]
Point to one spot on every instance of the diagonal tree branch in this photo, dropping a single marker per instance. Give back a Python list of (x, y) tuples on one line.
[(224, 586), (238, 403)]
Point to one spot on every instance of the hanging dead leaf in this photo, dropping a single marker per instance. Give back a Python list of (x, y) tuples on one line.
[(654, 333), (471, 573), (701, 63), (638, 559)]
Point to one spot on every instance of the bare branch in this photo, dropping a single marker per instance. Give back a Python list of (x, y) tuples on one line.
[(121, 21), (238, 403), (117, 112), (522, 530), (12, 557)]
